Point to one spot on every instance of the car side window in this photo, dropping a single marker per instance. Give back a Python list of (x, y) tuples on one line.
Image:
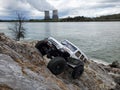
[(82, 57)]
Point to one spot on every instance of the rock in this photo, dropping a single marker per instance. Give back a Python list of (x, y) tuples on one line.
[(115, 64), (117, 80), (23, 68), (12, 74)]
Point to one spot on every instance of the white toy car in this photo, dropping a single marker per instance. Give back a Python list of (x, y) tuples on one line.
[(62, 54)]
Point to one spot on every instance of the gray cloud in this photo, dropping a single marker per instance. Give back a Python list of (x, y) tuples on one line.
[(35, 8), (101, 6), (41, 5), (30, 8), (93, 8), (110, 1)]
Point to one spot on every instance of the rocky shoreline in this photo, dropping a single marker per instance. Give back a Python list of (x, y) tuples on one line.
[(23, 68)]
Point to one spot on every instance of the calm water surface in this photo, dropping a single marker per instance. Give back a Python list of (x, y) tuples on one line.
[(99, 40)]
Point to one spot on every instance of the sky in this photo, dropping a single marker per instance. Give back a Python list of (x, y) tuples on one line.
[(35, 8)]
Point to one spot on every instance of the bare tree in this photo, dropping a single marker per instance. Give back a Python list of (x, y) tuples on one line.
[(18, 28)]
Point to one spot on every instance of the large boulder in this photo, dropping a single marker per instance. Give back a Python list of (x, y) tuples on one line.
[(23, 68)]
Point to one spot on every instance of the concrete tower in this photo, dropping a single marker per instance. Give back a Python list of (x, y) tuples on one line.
[(47, 15), (55, 14)]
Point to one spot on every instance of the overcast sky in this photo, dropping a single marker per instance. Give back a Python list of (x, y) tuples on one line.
[(35, 8)]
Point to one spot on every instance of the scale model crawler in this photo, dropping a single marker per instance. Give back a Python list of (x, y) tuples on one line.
[(62, 54)]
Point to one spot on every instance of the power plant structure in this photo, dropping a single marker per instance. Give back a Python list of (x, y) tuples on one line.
[(54, 15), (47, 15)]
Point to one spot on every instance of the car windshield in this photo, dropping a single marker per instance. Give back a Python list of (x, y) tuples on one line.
[(69, 45)]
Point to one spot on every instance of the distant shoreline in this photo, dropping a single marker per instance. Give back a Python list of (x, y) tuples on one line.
[(65, 21), (107, 18)]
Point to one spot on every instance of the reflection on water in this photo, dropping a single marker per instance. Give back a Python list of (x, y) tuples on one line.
[(47, 30), (100, 40)]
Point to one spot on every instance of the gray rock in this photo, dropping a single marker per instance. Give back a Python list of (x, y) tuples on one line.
[(117, 80), (11, 74), (115, 64)]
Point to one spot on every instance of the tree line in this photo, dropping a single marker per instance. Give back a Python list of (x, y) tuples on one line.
[(114, 17)]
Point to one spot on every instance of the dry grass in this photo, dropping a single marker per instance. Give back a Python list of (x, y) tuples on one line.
[(5, 87), (61, 84), (28, 65)]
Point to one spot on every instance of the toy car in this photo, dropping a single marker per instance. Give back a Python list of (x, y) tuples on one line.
[(62, 54)]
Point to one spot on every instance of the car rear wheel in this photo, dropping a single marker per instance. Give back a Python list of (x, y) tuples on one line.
[(57, 65), (42, 47)]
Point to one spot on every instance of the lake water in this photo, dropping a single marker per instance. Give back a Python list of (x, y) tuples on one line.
[(98, 40)]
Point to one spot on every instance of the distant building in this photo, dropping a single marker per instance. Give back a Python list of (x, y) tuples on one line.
[(47, 15), (55, 14)]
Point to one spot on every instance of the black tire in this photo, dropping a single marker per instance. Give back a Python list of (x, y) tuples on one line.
[(42, 47), (57, 65), (77, 72)]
